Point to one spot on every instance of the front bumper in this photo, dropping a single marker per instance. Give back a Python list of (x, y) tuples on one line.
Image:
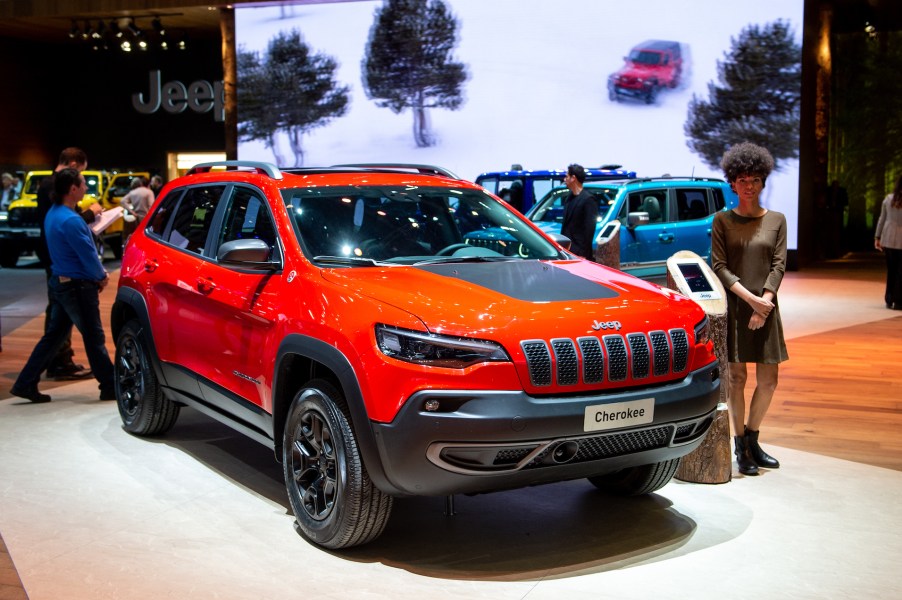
[(481, 441)]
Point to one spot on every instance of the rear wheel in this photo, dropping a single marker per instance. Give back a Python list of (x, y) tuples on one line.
[(331, 494), (637, 481), (143, 407)]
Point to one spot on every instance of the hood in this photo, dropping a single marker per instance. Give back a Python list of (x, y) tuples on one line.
[(545, 299)]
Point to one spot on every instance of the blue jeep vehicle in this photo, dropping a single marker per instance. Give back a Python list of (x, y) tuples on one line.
[(522, 187), (658, 216), (679, 212)]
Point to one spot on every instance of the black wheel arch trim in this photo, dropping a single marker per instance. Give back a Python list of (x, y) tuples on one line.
[(333, 359), (127, 297)]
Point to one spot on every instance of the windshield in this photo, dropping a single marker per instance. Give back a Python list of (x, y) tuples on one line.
[(362, 226), (33, 183), (551, 207)]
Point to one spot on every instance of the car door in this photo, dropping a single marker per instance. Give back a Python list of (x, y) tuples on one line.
[(238, 307), (181, 224), (648, 245)]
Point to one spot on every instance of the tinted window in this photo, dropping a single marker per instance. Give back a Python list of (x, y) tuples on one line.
[(692, 204), (248, 218)]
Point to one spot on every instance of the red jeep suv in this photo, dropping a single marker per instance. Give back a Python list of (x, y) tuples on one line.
[(340, 317), (650, 67)]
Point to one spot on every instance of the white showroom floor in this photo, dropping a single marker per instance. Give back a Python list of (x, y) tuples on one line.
[(88, 511)]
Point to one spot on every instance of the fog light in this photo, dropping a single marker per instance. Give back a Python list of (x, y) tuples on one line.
[(431, 405)]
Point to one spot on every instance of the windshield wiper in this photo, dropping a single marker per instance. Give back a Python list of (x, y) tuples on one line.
[(353, 261)]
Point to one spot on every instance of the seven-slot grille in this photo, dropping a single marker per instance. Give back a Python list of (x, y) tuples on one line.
[(612, 357)]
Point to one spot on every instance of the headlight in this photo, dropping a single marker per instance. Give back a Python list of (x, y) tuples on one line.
[(436, 350), (701, 331)]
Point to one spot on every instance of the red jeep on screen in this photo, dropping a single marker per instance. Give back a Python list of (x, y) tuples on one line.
[(650, 66)]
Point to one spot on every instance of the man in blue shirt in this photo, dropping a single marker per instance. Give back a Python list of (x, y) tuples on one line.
[(76, 282)]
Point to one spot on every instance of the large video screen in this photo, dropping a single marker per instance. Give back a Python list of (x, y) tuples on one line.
[(504, 82)]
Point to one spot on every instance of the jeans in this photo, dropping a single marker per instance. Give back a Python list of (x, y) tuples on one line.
[(76, 302)]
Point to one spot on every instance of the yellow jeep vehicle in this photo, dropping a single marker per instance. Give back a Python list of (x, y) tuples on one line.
[(21, 231)]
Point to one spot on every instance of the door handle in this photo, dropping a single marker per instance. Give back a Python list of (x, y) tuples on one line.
[(205, 286), (665, 237), (150, 265)]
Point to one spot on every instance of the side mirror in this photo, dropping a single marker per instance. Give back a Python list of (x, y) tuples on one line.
[(252, 254), (636, 218), (562, 240)]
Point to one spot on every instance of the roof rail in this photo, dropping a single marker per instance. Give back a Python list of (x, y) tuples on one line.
[(417, 168), (264, 168)]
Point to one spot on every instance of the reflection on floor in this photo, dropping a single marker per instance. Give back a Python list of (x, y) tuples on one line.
[(88, 511)]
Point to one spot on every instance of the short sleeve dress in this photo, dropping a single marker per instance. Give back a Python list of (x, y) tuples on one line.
[(753, 252)]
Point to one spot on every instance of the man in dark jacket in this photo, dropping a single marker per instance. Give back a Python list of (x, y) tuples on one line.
[(580, 213)]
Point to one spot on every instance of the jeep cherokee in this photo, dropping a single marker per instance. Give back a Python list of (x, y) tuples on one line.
[(339, 317)]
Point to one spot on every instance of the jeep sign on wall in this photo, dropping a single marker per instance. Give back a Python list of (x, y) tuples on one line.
[(174, 97)]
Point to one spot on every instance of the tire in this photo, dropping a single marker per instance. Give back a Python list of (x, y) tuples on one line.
[(143, 407), (331, 494), (637, 481), (652, 95)]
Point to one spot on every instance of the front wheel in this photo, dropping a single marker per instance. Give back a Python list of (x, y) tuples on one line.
[(637, 481), (142, 406), (331, 494)]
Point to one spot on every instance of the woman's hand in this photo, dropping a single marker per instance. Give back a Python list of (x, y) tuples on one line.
[(761, 306), (757, 321), (877, 244)]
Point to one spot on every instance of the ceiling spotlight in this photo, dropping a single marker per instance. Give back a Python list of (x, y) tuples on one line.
[(88, 31), (126, 46), (98, 33), (164, 45), (115, 29), (158, 26), (142, 44), (74, 32), (870, 30), (183, 45)]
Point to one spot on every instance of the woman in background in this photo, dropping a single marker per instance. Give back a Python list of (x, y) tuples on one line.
[(888, 239)]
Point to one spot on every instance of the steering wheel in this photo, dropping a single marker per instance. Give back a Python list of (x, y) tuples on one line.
[(449, 250)]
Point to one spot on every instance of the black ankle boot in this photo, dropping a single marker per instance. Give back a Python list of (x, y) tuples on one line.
[(747, 466), (761, 458)]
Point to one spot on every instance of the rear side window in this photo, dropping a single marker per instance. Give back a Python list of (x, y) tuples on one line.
[(692, 204)]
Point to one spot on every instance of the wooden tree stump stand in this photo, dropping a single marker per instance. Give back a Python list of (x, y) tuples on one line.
[(712, 462)]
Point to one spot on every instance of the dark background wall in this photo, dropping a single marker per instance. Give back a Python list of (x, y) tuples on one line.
[(66, 94)]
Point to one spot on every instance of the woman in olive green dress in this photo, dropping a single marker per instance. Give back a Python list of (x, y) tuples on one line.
[(748, 254)]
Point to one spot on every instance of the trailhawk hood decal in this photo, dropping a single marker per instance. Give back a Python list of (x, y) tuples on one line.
[(531, 281)]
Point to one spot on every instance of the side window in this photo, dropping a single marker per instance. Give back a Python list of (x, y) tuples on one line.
[(490, 183), (719, 202), (157, 224), (653, 202), (692, 204), (193, 217), (248, 218)]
